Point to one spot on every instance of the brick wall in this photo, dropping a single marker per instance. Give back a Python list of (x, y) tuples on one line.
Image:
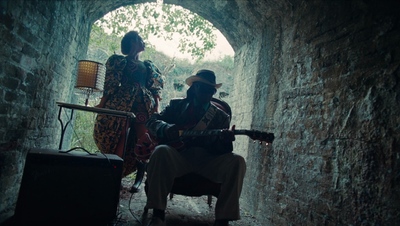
[(322, 75), (331, 96), (40, 44)]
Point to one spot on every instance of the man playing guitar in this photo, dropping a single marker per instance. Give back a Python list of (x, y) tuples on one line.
[(209, 156)]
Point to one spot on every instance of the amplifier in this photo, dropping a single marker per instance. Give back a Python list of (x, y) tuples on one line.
[(69, 188)]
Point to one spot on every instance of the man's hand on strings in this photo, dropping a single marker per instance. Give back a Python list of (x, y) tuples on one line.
[(228, 135)]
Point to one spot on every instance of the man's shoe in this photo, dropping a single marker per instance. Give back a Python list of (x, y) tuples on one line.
[(221, 223), (155, 221)]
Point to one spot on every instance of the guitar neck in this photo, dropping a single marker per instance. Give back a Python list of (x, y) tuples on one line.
[(202, 133), (253, 134)]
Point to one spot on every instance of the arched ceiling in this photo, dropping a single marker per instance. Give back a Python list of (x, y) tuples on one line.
[(238, 20)]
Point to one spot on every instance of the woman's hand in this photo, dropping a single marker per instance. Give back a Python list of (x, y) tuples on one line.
[(102, 103), (156, 103)]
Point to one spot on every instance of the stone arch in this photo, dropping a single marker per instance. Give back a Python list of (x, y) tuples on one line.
[(324, 75), (45, 42), (244, 25)]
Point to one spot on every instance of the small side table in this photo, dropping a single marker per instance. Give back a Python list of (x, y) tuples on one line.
[(127, 115)]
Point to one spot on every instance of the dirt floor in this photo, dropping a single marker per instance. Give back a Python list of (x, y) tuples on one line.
[(181, 210)]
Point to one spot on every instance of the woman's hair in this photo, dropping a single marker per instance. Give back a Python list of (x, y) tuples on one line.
[(126, 42)]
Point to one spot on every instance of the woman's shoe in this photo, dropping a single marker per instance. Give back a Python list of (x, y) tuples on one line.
[(141, 168)]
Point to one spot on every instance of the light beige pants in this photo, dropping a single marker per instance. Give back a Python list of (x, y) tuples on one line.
[(166, 164)]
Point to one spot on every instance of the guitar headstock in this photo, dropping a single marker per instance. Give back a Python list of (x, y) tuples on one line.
[(260, 136)]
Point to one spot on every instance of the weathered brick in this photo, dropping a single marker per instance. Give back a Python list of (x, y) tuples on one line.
[(10, 83), (11, 96), (323, 76)]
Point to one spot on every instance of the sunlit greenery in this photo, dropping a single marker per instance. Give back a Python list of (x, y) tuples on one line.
[(83, 131), (196, 35)]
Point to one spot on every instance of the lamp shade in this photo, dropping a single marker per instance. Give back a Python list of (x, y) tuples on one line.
[(90, 75)]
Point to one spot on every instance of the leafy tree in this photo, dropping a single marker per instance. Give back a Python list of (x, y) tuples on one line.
[(196, 35)]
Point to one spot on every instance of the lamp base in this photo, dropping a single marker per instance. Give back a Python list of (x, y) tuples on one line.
[(87, 101)]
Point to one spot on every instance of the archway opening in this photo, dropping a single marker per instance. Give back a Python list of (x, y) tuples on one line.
[(176, 63)]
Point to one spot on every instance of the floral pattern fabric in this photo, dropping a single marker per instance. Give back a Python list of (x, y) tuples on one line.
[(130, 86)]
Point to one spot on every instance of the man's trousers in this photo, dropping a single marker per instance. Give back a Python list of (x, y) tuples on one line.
[(166, 164)]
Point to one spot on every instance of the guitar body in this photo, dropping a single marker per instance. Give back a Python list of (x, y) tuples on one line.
[(147, 143)]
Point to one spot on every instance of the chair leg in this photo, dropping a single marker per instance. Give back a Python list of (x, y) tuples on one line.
[(171, 195), (209, 200), (145, 211)]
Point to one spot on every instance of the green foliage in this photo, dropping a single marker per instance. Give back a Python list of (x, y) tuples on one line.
[(83, 131), (100, 39), (196, 35)]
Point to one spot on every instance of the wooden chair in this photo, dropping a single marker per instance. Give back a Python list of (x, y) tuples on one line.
[(195, 185)]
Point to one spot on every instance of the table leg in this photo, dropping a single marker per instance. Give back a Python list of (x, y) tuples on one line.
[(63, 127)]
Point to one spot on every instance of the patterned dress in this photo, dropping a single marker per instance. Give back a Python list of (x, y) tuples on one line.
[(130, 86)]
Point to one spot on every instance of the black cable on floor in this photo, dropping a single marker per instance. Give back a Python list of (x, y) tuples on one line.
[(130, 210)]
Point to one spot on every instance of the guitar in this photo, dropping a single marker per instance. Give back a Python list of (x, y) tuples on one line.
[(146, 144)]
